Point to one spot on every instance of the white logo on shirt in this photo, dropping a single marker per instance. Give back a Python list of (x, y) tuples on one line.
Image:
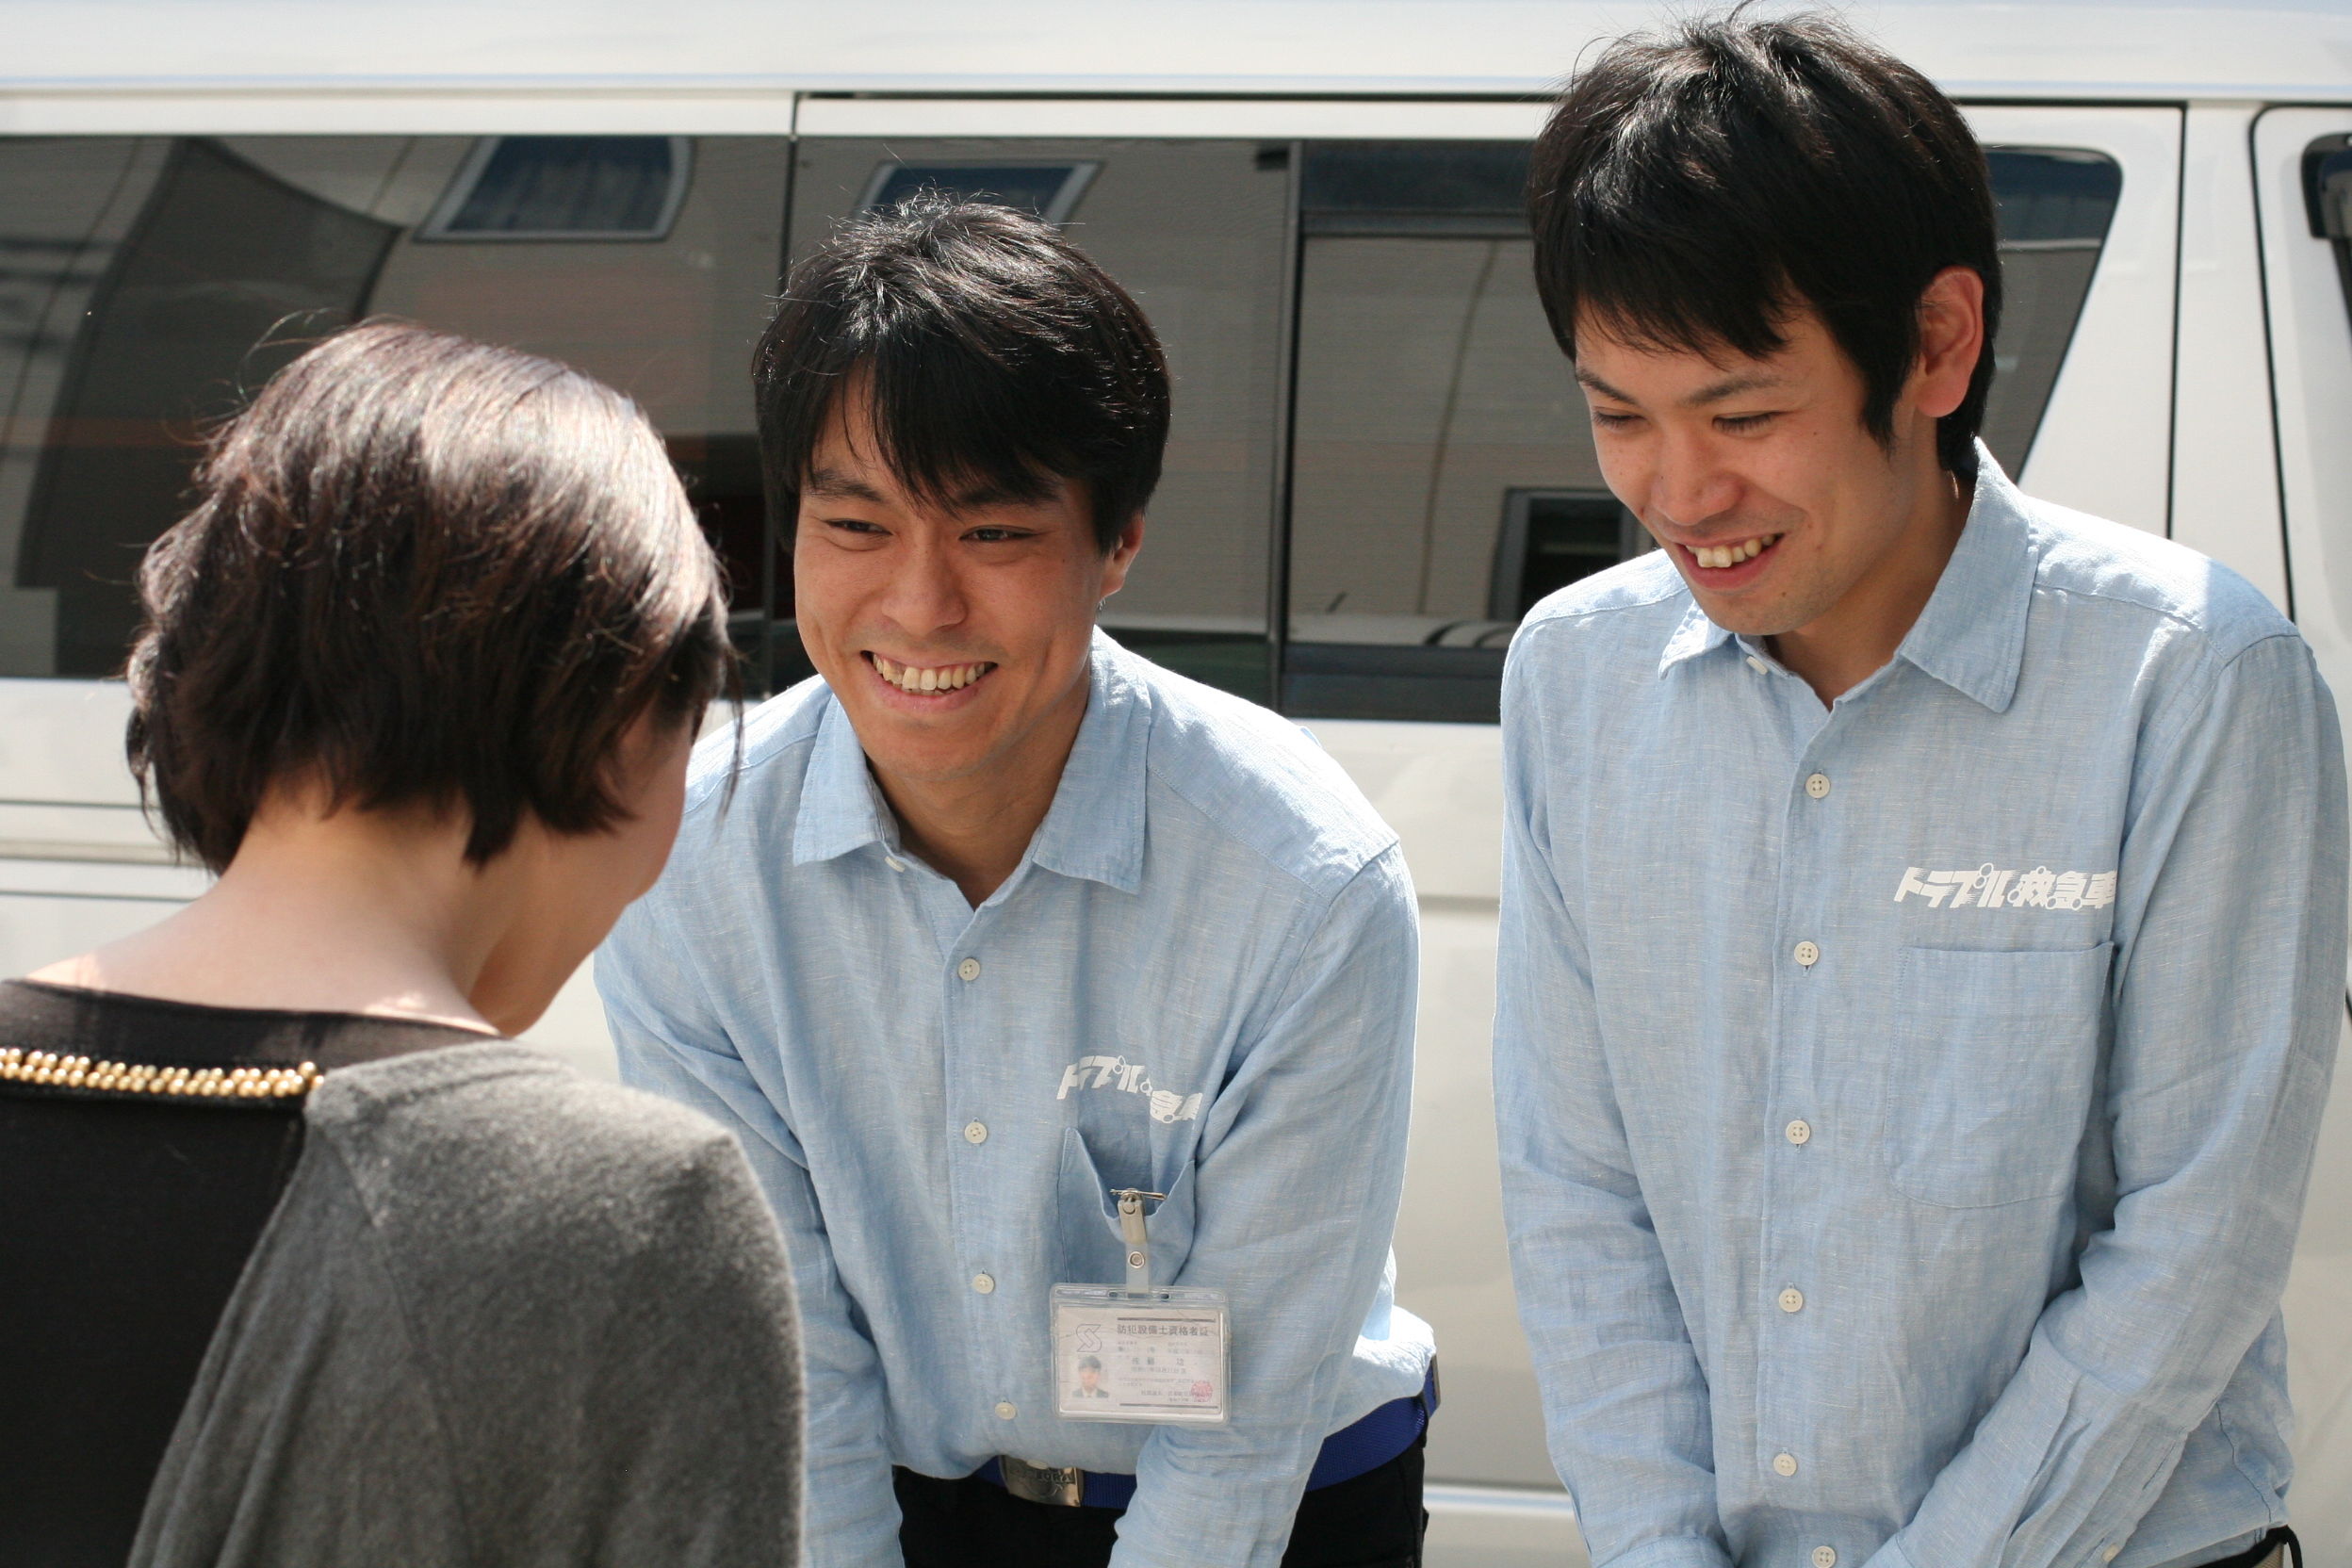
[(1118, 1072), (1987, 887)]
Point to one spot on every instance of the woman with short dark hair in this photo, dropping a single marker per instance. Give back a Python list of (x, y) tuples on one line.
[(308, 1264)]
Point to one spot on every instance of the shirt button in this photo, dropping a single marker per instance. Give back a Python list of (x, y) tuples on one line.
[(1793, 1299), (2111, 1553), (1807, 954), (1818, 785), (1006, 1410), (1800, 1133), (984, 1285), (1759, 665), (967, 970), (893, 862), (1824, 1557), (1783, 1464), (976, 1131)]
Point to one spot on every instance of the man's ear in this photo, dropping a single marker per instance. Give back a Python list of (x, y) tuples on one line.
[(1122, 556), (1952, 340)]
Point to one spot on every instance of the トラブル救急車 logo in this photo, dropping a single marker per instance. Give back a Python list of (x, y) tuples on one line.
[(1988, 887), (1118, 1072)]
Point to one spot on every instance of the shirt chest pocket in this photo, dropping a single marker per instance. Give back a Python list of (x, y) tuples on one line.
[(1087, 1244), (1989, 1070)]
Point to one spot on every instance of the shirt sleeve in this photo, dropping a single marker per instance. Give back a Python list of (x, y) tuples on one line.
[(1625, 1399), (669, 1045), (1296, 1204), (2228, 988)]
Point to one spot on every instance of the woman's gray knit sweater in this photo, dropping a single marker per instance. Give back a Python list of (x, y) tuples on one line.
[(502, 1315)]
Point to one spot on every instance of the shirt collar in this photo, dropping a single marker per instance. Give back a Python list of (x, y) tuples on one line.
[(1095, 827), (1094, 830), (1971, 633), (1694, 636), (840, 806)]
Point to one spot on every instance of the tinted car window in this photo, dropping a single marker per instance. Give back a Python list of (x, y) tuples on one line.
[(1445, 478), (153, 281)]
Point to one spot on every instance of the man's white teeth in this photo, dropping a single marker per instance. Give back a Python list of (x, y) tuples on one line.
[(1720, 556), (948, 678)]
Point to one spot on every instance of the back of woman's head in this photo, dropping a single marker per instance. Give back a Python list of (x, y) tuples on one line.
[(421, 572)]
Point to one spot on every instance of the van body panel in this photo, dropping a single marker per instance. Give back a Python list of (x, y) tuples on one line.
[(2109, 50), (2308, 320), (2114, 389), (2225, 476)]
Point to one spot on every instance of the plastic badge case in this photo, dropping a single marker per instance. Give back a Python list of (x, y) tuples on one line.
[(1152, 1355)]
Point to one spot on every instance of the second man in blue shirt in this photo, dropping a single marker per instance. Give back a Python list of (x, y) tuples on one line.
[(994, 922)]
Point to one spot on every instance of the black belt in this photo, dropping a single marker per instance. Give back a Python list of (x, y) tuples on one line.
[(1353, 1451)]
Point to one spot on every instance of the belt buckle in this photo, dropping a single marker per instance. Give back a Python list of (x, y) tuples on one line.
[(1043, 1483)]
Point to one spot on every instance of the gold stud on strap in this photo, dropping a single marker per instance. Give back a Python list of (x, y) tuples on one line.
[(171, 1083)]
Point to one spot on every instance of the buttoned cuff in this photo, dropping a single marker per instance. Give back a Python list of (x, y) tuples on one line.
[(1673, 1551)]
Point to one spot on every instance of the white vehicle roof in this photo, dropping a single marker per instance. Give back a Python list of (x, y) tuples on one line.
[(2275, 50)]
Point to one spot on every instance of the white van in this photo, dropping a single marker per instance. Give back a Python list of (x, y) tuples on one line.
[(1379, 461)]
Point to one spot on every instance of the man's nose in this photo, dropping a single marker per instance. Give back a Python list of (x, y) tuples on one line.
[(1690, 484), (927, 592)]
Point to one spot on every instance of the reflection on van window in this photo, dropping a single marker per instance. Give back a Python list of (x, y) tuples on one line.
[(565, 187), (1444, 476), (1195, 231), (1051, 190), (142, 271), (1441, 474)]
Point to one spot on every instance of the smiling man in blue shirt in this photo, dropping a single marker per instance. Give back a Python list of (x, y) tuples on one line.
[(1923, 925), (996, 920)]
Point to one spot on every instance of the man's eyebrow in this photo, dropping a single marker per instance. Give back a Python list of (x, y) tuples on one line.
[(1714, 392), (998, 493), (1597, 385), (1731, 386), (837, 486)]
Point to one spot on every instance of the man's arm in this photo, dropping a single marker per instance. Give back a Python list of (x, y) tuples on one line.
[(2230, 982), (1296, 1205), (1624, 1401), (670, 1045)]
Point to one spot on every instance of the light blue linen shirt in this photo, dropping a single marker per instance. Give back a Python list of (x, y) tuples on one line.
[(1906, 1105), (1200, 981)]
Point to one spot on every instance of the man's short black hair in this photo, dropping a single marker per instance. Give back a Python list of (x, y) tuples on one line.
[(1694, 186), (421, 571), (996, 355)]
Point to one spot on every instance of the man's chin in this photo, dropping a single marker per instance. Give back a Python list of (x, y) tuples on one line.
[(1742, 619), (923, 752)]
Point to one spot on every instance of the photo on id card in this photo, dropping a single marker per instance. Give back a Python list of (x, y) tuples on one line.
[(1153, 1355)]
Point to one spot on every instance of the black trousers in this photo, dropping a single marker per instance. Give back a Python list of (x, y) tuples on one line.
[(1374, 1520), (2281, 1539)]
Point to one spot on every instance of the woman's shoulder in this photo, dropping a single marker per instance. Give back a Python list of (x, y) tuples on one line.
[(499, 1153)]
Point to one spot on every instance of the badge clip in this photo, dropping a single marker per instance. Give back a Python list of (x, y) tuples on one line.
[(1131, 1229)]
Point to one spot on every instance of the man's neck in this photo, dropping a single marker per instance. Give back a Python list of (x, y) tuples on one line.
[(974, 827), (1858, 635)]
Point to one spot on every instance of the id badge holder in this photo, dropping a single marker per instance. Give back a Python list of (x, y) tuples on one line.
[(1133, 1353)]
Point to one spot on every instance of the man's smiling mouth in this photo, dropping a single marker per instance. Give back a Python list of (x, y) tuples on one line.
[(917, 680), (1717, 558)]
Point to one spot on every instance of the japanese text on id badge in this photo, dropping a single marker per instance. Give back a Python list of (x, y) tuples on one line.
[(1153, 1355)]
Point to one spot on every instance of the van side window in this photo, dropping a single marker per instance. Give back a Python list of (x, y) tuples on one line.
[(1445, 478), (1195, 231), (145, 272), (2053, 205)]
